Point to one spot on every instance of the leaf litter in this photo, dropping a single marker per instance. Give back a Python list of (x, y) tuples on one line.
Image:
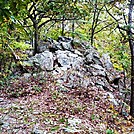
[(42, 106)]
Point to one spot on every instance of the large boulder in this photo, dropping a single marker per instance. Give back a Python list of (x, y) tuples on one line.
[(106, 61), (68, 59), (66, 43), (92, 56), (44, 60)]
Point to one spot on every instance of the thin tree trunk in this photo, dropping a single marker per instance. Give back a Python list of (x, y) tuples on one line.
[(93, 23), (131, 44), (63, 26), (73, 29), (132, 86), (36, 36)]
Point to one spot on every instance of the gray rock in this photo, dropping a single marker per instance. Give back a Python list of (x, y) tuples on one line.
[(44, 60), (89, 58), (66, 46), (37, 131), (1, 122), (43, 47), (92, 56), (75, 60), (85, 83), (26, 75), (78, 53), (66, 43), (57, 46), (64, 39), (1, 99), (112, 99), (96, 66), (6, 125), (106, 61), (68, 59), (63, 58)]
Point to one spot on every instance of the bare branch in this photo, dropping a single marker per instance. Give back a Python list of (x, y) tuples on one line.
[(104, 27), (42, 24), (110, 14)]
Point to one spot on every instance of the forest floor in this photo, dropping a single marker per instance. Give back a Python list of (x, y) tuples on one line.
[(42, 106)]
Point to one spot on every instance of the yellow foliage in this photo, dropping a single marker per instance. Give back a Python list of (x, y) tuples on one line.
[(111, 106), (117, 66)]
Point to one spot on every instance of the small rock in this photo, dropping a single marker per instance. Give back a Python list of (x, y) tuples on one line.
[(1, 122), (35, 112), (1, 99), (112, 99), (26, 75), (37, 131), (5, 125)]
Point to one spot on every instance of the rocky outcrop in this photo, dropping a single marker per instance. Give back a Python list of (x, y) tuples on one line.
[(71, 66)]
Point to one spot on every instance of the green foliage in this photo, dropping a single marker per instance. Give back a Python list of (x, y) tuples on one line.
[(122, 56), (4, 81), (119, 51), (4, 11), (62, 120), (8, 65), (54, 33), (81, 34), (93, 117), (108, 131), (20, 45), (16, 22), (55, 128), (37, 88), (107, 40), (5, 58)]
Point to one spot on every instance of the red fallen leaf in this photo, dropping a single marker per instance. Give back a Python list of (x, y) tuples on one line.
[(129, 123)]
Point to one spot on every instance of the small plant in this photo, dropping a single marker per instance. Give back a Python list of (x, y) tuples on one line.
[(109, 131), (55, 94), (55, 128), (62, 120), (93, 117), (88, 47), (36, 88), (20, 45)]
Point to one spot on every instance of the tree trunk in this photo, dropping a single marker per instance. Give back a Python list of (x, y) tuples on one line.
[(131, 44), (36, 39), (63, 26), (132, 86), (73, 29), (93, 23)]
